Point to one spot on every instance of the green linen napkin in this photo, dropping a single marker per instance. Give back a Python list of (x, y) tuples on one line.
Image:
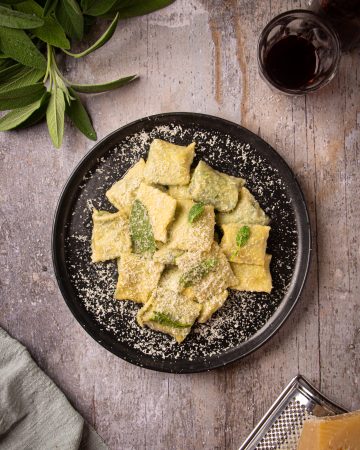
[(34, 413)]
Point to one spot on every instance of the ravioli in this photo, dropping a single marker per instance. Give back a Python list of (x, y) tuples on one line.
[(192, 236), (137, 277), (160, 207), (180, 192), (169, 164), (215, 188), (213, 281), (166, 255), (170, 313), (211, 305), (253, 251), (253, 278), (122, 193), (110, 235), (247, 211), (164, 239)]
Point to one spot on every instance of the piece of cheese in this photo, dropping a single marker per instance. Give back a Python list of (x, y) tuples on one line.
[(340, 432)]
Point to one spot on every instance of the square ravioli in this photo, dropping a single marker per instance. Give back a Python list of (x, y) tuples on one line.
[(170, 313), (167, 256), (253, 278), (122, 193), (137, 277), (215, 188), (198, 235), (211, 305), (247, 211), (253, 251), (205, 274), (160, 207), (110, 235), (180, 192), (169, 164)]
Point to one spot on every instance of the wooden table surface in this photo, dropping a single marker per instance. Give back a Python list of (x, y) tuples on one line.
[(196, 55)]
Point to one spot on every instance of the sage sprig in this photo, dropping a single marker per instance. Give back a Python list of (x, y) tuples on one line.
[(32, 34)]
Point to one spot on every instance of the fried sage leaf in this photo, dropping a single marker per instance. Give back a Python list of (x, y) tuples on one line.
[(142, 236), (242, 236), (198, 272), (196, 211), (165, 319)]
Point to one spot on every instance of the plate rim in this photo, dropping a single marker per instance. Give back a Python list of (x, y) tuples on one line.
[(302, 222)]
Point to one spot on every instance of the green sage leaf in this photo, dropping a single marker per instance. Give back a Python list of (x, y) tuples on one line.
[(165, 319), (242, 236), (196, 211), (198, 272), (37, 115), (23, 76), (11, 18), (96, 7), (138, 7), (55, 113), (17, 45), (100, 42), (22, 96), (11, 2), (70, 17), (95, 88), (17, 116), (49, 7), (5, 63), (79, 116), (50, 32), (141, 233)]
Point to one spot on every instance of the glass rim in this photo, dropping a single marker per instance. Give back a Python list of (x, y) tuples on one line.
[(326, 26)]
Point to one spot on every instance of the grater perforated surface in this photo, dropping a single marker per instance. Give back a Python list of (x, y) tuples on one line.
[(281, 426)]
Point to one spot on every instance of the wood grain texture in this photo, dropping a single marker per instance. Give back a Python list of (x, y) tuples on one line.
[(196, 55)]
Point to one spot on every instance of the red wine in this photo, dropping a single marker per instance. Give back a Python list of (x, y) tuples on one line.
[(291, 62)]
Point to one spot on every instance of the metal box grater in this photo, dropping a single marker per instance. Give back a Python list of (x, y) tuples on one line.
[(281, 426)]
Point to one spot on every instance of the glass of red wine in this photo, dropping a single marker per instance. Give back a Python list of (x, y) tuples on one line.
[(298, 52)]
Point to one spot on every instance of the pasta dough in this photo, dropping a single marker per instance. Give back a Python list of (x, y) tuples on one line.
[(110, 236), (122, 193), (180, 192), (211, 305), (170, 313), (247, 211), (137, 277), (160, 207), (253, 278), (169, 164), (212, 187), (216, 280), (163, 239), (192, 236), (253, 252)]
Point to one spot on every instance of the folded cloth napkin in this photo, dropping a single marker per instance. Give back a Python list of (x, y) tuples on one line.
[(34, 413)]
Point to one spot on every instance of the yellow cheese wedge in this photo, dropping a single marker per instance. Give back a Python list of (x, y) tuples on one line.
[(340, 432)]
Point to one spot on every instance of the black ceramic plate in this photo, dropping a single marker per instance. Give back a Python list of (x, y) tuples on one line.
[(247, 320)]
